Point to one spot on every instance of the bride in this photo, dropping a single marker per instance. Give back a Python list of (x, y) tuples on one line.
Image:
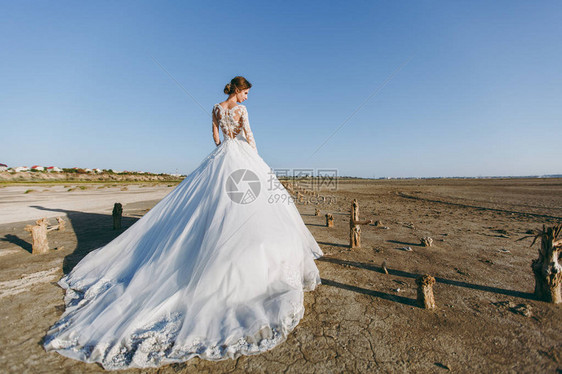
[(216, 269)]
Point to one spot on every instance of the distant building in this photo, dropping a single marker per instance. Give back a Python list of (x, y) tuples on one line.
[(37, 168), (3, 167), (97, 170), (87, 170), (51, 169), (21, 168)]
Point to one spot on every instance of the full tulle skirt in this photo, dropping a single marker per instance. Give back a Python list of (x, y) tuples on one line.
[(216, 269)]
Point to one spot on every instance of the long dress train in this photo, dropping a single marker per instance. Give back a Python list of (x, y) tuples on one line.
[(216, 269)]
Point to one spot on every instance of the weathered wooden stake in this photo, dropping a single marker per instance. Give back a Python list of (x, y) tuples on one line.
[(39, 236), (383, 266), (427, 241), (329, 220), (289, 188), (425, 291), (62, 225), (354, 222), (547, 268), (117, 215)]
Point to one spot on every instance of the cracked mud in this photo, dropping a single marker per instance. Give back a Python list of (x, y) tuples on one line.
[(360, 319)]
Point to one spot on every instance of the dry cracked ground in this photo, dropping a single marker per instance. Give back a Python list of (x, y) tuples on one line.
[(360, 319)]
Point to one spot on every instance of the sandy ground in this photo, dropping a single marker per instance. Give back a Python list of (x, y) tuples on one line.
[(359, 319), (26, 202)]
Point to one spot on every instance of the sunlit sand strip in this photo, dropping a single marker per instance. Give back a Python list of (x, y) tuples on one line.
[(16, 206), (9, 252), (17, 286)]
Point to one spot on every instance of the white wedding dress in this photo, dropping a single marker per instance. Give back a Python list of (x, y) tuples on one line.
[(216, 269)]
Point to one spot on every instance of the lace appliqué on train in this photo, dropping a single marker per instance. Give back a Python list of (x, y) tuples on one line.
[(156, 343)]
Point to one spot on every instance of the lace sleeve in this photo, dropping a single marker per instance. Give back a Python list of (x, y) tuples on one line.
[(216, 116), (247, 129)]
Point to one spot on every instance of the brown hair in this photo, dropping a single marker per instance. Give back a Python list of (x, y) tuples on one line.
[(239, 83)]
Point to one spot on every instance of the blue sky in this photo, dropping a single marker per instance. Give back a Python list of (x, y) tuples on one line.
[(480, 94)]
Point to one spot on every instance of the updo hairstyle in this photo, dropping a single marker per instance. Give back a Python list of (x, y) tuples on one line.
[(239, 83)]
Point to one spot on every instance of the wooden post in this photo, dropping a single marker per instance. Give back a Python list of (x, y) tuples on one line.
[(289, 188), (39, 236), (426, 242), (117, 215), (329, 220), (546, 268), (62, 225), (354, 229), (425, 291)]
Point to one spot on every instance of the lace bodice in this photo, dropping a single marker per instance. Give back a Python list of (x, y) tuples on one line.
[(232, 122)]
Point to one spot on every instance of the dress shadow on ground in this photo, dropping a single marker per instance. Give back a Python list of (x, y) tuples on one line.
[(92, 230)]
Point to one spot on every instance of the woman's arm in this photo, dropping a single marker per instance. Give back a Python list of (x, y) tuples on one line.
[(247, 129), (216, 137)]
